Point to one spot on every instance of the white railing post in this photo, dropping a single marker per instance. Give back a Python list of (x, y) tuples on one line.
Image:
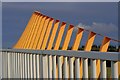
[(31, 65), (21, 65), (9, 68), (34, 65), (59, 67), (71, 69), (85, 68), (45, 66), (25, 74), (28, 65), (93, 68), (38, 66), (49, 66), (54, 66), (3, 68), (114, 69), (65, 68), (103, 69), (77, 68)]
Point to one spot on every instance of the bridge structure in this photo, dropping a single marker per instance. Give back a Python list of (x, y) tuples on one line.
[(37, 53)]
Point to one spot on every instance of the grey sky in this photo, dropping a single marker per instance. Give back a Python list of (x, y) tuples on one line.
[(89, 15), (59, 0)]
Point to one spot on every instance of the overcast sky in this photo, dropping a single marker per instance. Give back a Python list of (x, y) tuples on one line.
[(59, 0), (98, 17)]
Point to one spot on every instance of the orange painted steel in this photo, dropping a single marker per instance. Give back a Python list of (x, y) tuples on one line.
[(32, 32), (29, 34), (52, 37), (35, 31), (43, 33), (39, 32), (59, 37), (47, 34), (90, 41), (67, 38)]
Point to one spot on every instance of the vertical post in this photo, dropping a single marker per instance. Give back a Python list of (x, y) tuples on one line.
[(34, 65), (77, 68), (103, 69), (45, 66), (114, 69), (28, 65), (54, 67), (93, 68), (26, 75), (9, 70), (65, 68), (31, 65), (38, 66), (49, 66)]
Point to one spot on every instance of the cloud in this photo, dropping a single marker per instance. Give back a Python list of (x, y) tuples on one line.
[(106, 29)]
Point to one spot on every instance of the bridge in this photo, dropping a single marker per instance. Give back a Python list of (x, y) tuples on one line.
[(37, 53)]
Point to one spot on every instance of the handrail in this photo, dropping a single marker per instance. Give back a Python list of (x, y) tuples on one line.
[(113, 56)]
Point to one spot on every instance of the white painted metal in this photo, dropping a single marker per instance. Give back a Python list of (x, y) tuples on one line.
[(49, 66), (3, 70), (45, 66), (59, 66), (85, 68), (114, 69), (65, 68), (103, 69), (9, 65), (21, 65), (25, 56), (71, 60), (18, 65), (23, 61), (28, 65), (38, 66), (93, 68), (77, 68), (12, 75), (31, 65), (54, 66), (13, 65), (34, 65), (41, 73)]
